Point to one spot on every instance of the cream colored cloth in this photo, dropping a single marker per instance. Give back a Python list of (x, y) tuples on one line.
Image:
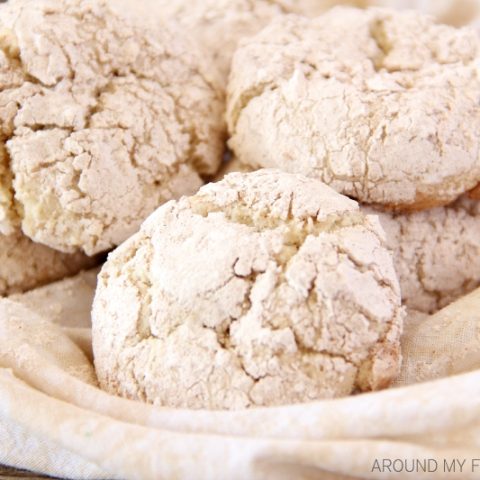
[(54, 419)]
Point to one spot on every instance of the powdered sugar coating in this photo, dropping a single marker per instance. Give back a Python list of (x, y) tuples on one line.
[(436, 253), (219, 25), (102, 119), (372, 102), (266, 288)]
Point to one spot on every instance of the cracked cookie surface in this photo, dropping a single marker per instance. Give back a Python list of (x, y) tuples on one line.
[(266, 288), (101, 121), (219, 25), (371, 102), (436, 253)]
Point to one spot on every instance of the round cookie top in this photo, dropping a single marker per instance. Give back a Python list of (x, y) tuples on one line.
[(266, 288), (381, 105), (102, 120)]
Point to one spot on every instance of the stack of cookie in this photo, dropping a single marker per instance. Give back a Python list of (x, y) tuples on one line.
[(355, 134), (383, 107), (264, 286)]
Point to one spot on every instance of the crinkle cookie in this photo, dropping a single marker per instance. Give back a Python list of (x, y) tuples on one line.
[(381, 105), (263, 289), (101, 120), (25, 265), (220, 24), (436, 253)]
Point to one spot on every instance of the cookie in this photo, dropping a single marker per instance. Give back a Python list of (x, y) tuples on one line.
[(25, 265), (219, 25), (102, 120), (436, 253), (372, 102), (266, 288)]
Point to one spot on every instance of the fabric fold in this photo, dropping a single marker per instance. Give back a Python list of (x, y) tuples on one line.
[(51, 405)]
